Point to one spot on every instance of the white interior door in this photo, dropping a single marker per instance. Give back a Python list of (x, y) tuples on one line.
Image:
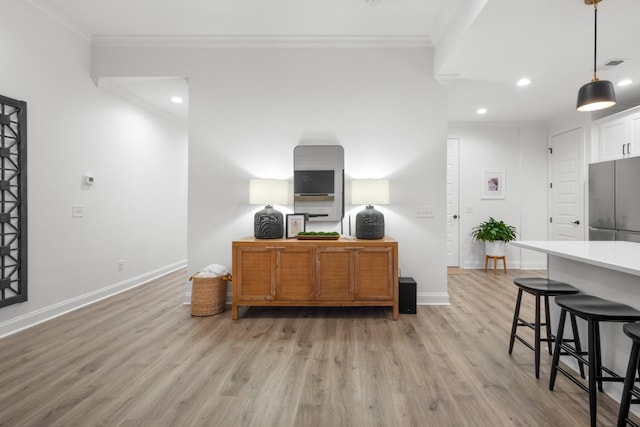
[(453, 231), (566, 188)]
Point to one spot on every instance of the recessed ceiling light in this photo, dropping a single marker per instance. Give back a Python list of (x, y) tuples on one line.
[(481, 111), (625, 82), (524, 82), (176, 99)]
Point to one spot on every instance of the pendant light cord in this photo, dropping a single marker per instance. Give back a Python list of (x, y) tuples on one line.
[(595, 39)]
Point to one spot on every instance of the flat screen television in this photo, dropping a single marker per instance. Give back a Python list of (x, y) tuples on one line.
[(313, 182)]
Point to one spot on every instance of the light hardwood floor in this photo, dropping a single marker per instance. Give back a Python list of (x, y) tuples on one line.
[(139, 358)]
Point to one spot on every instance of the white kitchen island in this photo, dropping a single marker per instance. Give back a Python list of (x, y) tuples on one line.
[(609, 270)]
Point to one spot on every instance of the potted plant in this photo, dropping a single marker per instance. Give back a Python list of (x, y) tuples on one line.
[(494, 234)]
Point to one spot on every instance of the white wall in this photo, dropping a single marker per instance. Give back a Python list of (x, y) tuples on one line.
[(521, 151), (249, 108), (135, 211)]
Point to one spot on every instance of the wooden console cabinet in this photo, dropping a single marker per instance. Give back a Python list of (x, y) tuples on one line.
[(289, 272)]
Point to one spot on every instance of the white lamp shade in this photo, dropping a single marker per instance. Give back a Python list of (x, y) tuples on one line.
[(370, 192), (268, 192)]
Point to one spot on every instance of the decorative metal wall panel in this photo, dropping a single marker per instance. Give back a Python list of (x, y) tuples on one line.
[(13, 201)]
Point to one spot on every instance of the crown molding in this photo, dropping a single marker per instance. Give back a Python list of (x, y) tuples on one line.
[(231, 41), (263, 41)]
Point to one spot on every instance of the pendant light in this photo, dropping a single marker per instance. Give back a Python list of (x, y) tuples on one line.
[(597, 94)]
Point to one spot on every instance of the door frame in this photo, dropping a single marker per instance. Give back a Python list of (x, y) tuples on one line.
[(457, 195)]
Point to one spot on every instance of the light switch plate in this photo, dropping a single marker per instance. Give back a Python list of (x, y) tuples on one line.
[(424, 212)]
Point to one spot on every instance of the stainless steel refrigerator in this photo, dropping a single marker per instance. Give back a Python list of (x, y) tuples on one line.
[(614, 200)]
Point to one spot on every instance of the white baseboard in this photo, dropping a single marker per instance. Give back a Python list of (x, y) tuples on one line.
[(433, 298), (472, 266), (39, 316)]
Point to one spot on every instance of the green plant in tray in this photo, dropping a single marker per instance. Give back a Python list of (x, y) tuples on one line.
[(318, 233)]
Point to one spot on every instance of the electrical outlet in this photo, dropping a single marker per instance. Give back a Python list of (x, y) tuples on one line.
[(77, 211), (121, 265)]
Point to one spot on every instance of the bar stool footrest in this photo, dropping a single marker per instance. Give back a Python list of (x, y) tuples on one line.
[(571, 351), (523, 322), (523, 341)]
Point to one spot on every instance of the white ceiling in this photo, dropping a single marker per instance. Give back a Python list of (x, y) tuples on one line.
[(482, 46)]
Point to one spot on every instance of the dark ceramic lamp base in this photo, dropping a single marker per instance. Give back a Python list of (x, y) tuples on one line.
[(268, 224), (369, 224)]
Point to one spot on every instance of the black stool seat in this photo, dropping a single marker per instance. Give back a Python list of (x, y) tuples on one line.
[(590, 307), (539, 287), (544, 286), (594, 310), (632, 330)]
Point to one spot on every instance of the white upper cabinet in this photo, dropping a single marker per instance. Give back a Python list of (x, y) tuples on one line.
[(635, 134), (619, 136)]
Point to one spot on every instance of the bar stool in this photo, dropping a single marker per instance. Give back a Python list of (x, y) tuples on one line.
[(540, 287), (632, 330), (594, 310)]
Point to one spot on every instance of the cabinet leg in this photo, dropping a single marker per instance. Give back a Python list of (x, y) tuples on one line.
[(234, 311)]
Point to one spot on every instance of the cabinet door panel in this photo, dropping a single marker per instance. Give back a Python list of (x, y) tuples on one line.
[(334, 270), (295, 278), (613, 135), (257, 273), (634, 147), (374, 271)]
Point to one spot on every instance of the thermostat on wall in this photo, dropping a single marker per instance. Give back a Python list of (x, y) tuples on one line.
[(87, 179)]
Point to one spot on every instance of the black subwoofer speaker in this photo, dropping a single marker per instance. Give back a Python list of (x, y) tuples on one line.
[(408, 295)]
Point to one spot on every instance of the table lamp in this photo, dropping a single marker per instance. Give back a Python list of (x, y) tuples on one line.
[(268, 223), (370, 222)]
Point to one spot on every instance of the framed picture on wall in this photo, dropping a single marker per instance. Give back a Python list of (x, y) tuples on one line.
[(493, 184), (296, 223)]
